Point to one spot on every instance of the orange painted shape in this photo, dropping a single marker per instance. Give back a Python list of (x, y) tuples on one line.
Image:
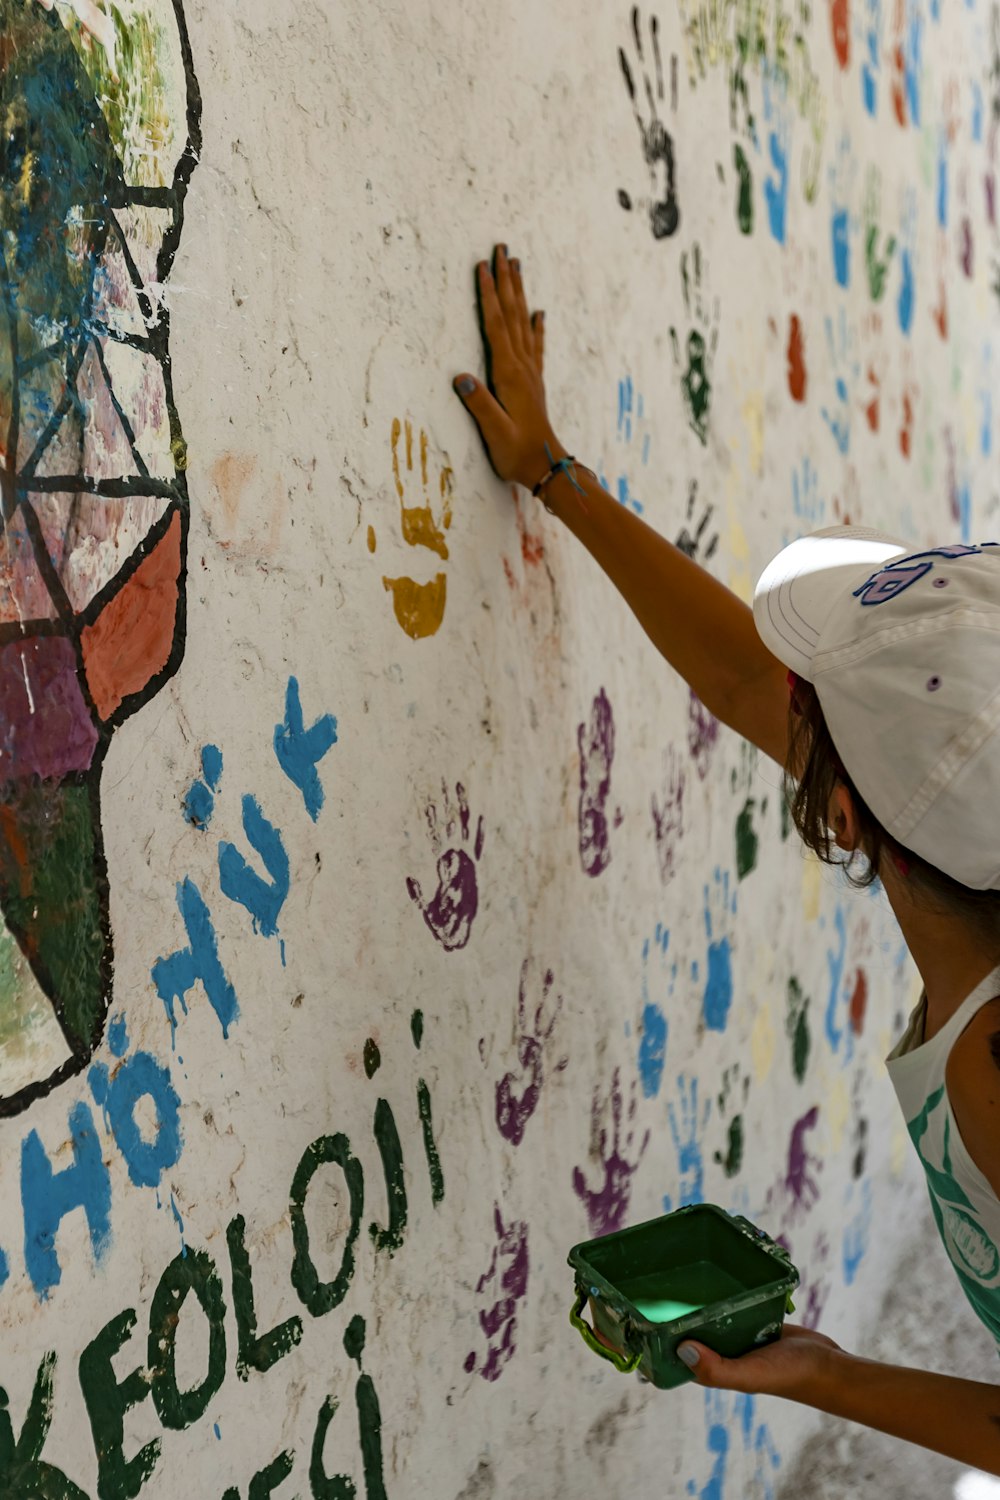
[(796, 360), (132, 637), (859, 1002), (841, 32)]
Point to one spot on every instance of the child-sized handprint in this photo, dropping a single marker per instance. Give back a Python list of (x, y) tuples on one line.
[(778, 119), (742, 783), (668, 814), (840, 25), (634, 436), (872, 55), (797, 1028), (607, 1204), (857, 1235), (842, 346), (700, 344), (418, 607), (498, 1322), (657, 144), (703, 732), (876, 364), (654, 1028), (808, 505), (720, 909), (908, 406), (596, 741), (452, 909), (734, 1091), (907, 254), (695, 538), (728, 1416), (877, 257), (687, 1126), (798, 376), (800, 1182), (966, 238), (843, 223), (518, 1092)]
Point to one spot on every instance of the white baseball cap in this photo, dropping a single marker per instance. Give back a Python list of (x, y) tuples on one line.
[(903, 649)]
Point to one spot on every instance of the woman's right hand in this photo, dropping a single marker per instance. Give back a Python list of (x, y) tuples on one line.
[(510, 410)]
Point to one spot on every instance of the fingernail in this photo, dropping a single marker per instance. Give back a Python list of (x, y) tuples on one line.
[(465, 385), (515, 265), (689, 1354), (504, 249)]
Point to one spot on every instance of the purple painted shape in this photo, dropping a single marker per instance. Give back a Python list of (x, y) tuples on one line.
[(452, 909), (668, 815), (518, 1093), (703, 731), (499, 1320), (47, 728), (802, 1187), (597, 750), (607, 1204)]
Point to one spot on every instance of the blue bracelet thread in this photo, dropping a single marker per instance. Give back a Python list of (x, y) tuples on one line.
[(557, 466)]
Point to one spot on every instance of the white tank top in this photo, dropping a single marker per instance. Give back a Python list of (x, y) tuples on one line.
[(966, 1208)]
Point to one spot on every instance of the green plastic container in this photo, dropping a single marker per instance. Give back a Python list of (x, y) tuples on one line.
[(698, 1273)]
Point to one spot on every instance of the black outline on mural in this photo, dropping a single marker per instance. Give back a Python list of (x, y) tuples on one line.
[(69, 623)]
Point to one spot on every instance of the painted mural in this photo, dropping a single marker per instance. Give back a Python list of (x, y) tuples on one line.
[(440, 927), (100, 112)]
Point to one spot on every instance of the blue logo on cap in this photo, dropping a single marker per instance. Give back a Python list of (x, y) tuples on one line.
[(904, 571)]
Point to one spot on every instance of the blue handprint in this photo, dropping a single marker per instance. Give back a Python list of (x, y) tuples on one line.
[(856, 1235), (842, 223), (873, 47), (986, 403), (778, 118), (907, 252), (844, 362), (718, 995), (654, 1026), (687, 1133), (808, 505)]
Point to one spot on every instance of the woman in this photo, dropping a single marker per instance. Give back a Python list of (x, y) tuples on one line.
[(871, 676)]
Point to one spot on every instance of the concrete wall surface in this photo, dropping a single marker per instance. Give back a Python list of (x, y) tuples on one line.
[(381, 916)]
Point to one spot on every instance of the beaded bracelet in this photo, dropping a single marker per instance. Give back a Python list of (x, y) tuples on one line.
[(561, 466)]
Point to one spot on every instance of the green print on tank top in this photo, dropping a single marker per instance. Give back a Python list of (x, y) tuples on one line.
[(970, 1249)]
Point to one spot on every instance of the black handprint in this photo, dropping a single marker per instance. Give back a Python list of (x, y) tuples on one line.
[(657, 145)]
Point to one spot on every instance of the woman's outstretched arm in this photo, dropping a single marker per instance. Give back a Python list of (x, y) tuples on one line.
[(703, 629)]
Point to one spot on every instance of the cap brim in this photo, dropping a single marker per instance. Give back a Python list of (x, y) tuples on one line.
[(798, 588)]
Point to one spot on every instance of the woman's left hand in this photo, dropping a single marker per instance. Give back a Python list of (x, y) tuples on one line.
[(793, 1366)]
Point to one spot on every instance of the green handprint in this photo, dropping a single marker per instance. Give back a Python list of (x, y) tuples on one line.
[(702, 339), (876, 265)]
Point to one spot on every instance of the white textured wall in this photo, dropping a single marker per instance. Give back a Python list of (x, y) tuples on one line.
[(357, 160)]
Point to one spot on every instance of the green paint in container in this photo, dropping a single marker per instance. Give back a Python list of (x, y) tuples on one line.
[(698, 1273)]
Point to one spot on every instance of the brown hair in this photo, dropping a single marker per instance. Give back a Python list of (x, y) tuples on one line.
[(812, 772)]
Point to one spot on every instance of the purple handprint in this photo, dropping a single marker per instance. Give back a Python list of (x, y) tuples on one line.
[(517, 1093), (597, 750), (798, 1188), (607, 1205), (703, 731), (452, 909), (668, 816), (499, 1322)]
